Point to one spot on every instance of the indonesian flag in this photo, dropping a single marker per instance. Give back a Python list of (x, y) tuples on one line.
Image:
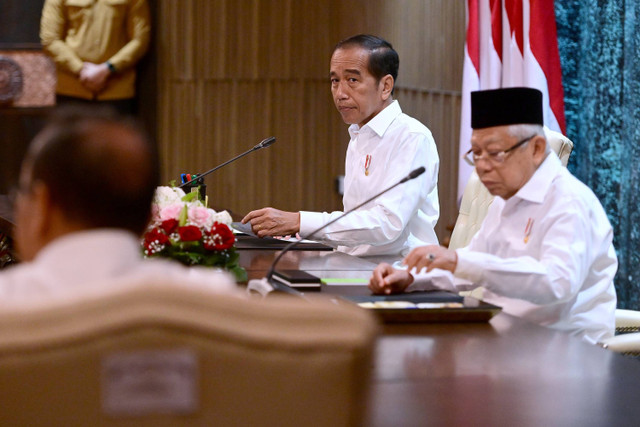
[(510, 43)]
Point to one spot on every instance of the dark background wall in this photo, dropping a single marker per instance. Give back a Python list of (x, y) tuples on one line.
[(19, 23), (19, 28), (19, 33)]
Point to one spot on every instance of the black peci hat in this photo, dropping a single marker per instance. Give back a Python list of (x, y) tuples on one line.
[(506, 106)]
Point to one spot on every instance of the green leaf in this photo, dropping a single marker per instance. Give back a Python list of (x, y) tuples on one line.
[(189, 197), (184, 214), (239, 273)]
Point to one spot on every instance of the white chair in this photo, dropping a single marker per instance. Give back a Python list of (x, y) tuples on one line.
[(627, 338), (627, 321), (626, 344), (164, 356)]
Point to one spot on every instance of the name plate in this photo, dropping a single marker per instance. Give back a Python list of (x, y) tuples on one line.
[(150, 382)]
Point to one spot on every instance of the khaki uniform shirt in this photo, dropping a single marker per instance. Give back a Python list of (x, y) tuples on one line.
[(97, 31)]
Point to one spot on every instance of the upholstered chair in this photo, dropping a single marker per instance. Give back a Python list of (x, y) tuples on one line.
[(158, 355), (627, 338)]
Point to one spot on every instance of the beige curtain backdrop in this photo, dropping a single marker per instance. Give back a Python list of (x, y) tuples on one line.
[(232, 72)]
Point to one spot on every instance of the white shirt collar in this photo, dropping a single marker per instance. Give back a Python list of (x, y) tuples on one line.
[(380, 122), (538, 185)]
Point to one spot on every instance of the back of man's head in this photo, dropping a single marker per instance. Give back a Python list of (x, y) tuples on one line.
[(383, 59), (100, 169)]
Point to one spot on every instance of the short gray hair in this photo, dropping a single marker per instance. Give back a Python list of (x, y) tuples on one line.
[(526, 130)]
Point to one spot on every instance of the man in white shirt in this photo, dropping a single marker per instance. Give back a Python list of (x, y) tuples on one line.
[(544, 251), (385, 146), (84, 199)]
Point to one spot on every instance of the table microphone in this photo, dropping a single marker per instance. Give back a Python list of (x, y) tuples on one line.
[(262, 144), (288, 289)]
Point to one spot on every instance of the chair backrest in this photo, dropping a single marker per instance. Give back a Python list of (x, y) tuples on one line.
[(476, 198), (627, 321), (162, 356)]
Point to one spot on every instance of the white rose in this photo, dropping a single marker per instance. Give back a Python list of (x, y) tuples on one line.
[(165, 196), (223, 217)]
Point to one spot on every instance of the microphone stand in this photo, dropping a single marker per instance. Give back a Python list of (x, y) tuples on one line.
[(262, 144), (288, 289)]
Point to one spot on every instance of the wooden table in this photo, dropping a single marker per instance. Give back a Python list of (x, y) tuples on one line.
[(506, 372)]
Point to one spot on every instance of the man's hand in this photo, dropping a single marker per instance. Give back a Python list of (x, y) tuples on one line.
[(273, 222), (94, 76), (387, 280), (431, 257)]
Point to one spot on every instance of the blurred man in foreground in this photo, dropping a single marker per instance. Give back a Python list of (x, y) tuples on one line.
[(84, 198), (544, 251)]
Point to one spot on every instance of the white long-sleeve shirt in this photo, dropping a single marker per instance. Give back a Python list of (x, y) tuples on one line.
[(97, 262), (545, 254), (388, 147)]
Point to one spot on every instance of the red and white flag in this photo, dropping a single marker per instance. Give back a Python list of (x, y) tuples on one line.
[(510, 43)]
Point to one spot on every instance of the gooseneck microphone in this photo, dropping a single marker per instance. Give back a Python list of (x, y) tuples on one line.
[(262, 144), (413, 174)]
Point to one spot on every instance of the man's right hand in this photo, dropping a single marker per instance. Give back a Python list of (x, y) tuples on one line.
[(387, 280), (273, 222), (94, 76)]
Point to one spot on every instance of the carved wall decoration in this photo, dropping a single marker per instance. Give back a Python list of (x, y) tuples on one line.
[(37, 79), (10, 80)]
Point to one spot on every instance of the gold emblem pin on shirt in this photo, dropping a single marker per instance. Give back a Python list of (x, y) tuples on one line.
[(367, 163), (527, 230)]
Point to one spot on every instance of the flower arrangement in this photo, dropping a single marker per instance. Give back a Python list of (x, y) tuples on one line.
[(184, 229)]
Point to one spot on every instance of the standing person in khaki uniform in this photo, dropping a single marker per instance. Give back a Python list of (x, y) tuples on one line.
[(95, 45)]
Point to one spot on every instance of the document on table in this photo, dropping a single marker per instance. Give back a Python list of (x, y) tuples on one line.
[(239, 227)]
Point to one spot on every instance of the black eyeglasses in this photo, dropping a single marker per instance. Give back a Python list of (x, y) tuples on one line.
[(496, 157)]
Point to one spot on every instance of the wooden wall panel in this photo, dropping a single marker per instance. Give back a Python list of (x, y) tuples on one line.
[(234, 72)]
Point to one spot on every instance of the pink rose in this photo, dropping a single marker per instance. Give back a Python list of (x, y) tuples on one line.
[(170, 212), (199, 216)]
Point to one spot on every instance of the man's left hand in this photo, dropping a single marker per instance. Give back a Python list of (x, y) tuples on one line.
[(431, 257), (386, 280)]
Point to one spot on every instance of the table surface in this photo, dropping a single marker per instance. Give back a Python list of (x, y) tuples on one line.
[(502, 372)]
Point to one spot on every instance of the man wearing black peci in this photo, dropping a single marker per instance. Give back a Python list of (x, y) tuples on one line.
[(544, 251)]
